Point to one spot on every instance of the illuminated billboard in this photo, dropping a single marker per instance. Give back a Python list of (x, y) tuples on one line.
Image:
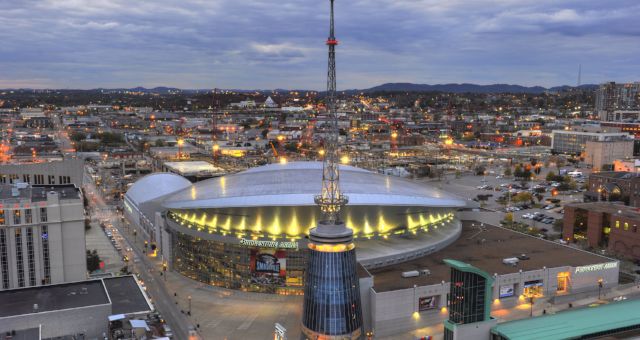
[(268, 267)]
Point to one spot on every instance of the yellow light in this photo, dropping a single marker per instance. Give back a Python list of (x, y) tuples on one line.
[(496, 301), (321, 152), (344, 159), (416, 315), (216, 147), (448, 141), (443, 310), (280, 138), (180, 142), (394, 135), (283, 160)]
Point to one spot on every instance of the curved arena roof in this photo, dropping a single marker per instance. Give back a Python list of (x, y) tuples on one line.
[(156, 185), (296, 183)]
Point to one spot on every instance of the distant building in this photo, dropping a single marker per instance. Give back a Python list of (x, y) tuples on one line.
[(604, 153), (604, 224), (42, 237), (626, 165), (612, 97), (574, 142), (613, 186)]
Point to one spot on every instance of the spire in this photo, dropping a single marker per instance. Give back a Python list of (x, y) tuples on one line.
[(330, 199)]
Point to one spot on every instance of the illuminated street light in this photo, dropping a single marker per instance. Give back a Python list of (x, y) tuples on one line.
[(283, 160), (344, 159)]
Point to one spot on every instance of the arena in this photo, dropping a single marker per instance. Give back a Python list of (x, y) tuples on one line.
[(248, 230)]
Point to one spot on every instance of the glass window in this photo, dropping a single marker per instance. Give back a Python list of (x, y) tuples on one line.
[(43, 214), (16, 217), (626, 226), (27, 216), (617, 224)]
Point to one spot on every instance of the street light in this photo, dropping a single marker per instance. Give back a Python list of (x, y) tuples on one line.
[(600, 284), (189, 312)]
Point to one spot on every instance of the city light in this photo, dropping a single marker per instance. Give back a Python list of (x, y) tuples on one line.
[(344, 159)]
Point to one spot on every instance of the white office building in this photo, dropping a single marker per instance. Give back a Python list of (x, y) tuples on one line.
[(42, 237)]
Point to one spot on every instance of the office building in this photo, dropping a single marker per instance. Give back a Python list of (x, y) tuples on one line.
[(42, 238), (602, 154), (575, 142), (612, 98), (67, 171)]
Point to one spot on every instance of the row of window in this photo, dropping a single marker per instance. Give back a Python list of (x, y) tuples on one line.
[(37, 179), (626, 226), (20, 240), (17, 216)]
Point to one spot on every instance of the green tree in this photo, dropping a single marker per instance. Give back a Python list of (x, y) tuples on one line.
[(522, 197), (507, 172), (77, 136), (159, 142), (93, 260), (551, 176)]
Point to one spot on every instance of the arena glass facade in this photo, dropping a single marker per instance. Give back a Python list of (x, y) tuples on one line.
[(236, 255)]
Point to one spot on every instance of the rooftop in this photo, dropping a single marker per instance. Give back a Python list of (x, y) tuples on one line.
[(124, 293), (192, 167), (296, 184), (573, 324), (51, 298), (484, 249), (609, 208), (126, 296), (38, 193)]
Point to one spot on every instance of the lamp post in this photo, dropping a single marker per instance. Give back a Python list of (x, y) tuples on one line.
[(164, 270), (600, 288), (189, 298), (531, 301)]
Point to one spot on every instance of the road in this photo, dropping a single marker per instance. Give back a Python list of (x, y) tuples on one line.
[(144, 269)]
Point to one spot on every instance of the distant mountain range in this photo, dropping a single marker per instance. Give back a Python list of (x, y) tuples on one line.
[(471, 88), (388, 87)]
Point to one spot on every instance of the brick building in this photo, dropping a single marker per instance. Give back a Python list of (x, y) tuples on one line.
[(618, 186), (606, 225)]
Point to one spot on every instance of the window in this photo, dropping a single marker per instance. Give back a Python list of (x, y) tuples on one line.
[(4, 259), (43, 214), (16, 217), (52, 179), (618, 224), (45, 255), (31, 257), (28, 218), (19, 257), (2, 220), (626, 226)]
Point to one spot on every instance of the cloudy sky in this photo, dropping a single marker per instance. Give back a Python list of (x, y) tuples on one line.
[(253, 44)]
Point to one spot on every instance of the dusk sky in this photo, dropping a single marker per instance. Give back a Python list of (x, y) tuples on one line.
[(258, 44)]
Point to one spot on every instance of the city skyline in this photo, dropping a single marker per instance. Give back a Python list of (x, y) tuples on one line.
[(260, 45)]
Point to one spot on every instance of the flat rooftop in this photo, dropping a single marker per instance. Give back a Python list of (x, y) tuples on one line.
[(609, 208), (23, 334), (126, 296), (51, 298), (485, 249), (192, 167), (38, 193)]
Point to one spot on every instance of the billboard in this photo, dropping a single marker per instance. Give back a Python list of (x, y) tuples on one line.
[(507, 291), (426, 303), (268, 267)]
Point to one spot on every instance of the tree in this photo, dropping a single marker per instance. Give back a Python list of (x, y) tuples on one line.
[(508, 217), (93, 260), (558, 160), (551, 176), (159, 142), (507, 172), (539, 197), (522, 197), (77, 136), (480, 170)]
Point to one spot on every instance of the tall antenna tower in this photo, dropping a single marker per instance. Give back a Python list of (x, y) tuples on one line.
[(332, 307), (579, 75), (330, 199)]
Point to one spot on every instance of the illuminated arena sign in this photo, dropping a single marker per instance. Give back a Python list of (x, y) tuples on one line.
[(269, 244), (596, 267)]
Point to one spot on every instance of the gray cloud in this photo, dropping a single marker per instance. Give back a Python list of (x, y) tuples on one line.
[(268, 44)]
